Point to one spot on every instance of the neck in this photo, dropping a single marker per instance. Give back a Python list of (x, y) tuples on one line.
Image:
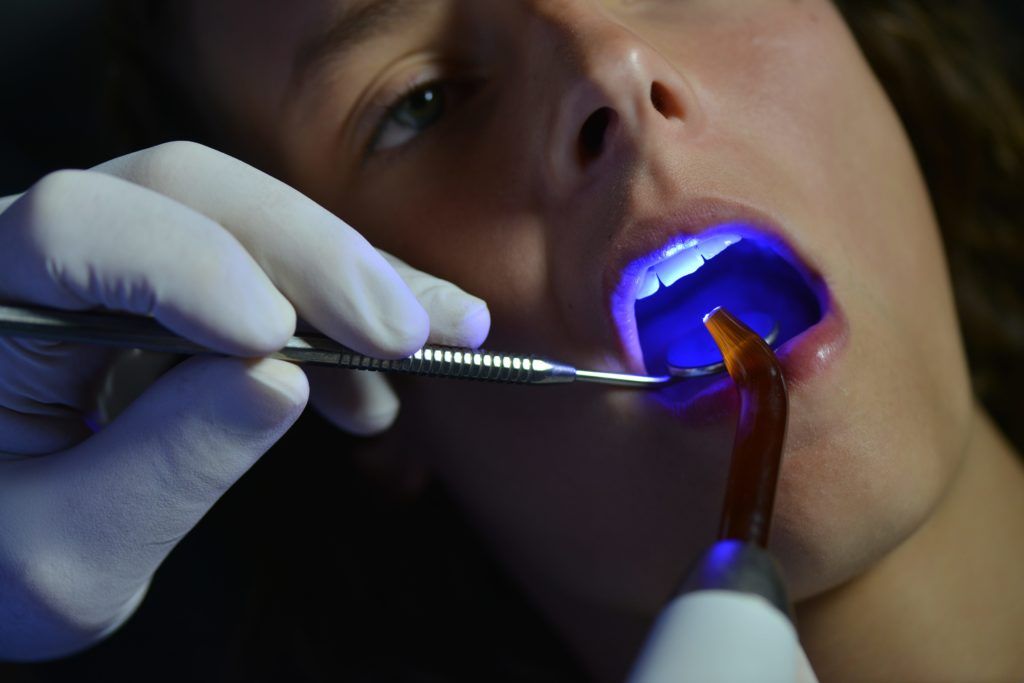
[(948, 604)]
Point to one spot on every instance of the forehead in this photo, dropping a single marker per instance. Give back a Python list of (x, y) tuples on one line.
[(309, 26), (270, 43), (242, 53)]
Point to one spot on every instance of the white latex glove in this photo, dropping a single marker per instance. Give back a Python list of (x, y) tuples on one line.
[(224, 255)]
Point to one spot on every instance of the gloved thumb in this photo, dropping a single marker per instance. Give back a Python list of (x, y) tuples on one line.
[(108, 511)]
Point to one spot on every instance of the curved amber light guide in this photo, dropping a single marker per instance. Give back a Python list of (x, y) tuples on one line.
[(760, 429)]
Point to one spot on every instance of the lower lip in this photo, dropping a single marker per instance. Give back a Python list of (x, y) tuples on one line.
[(804, 358)]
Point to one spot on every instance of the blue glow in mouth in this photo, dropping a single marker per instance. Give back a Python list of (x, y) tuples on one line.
[(742, 271)]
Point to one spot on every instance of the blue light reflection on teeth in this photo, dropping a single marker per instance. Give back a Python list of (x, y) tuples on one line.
[(682, 260), (713, 246), (649, 286), (682, 264)]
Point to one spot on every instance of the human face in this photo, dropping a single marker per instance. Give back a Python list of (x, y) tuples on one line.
[(563, 142)]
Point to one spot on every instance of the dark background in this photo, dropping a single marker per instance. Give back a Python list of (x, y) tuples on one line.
[(255, 593), (51, 70)]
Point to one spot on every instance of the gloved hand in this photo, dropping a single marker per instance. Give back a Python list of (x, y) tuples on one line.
[(224, 255)]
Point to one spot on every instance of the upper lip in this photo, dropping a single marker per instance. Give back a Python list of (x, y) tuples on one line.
[(641, 243)]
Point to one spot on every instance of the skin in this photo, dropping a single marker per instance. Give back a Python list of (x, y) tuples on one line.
[(597, 499)]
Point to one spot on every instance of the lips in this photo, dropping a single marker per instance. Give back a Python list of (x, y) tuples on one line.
[(712, 253)]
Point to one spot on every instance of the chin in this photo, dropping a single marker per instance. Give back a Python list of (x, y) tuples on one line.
[(860, 475)]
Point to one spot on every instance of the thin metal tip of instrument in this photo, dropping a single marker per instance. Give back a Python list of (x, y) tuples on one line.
[(620, 379)]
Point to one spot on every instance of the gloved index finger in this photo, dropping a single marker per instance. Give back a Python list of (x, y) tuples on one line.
[(79, 240), (335, 279), (457, 318)]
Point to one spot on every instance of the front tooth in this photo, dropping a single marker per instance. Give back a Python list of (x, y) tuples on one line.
[(680, 265), (650, 285), (713, 246)]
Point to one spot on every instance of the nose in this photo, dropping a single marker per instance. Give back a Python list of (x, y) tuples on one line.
[(614, 97)]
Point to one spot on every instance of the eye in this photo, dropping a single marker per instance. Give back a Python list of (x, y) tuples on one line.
[(410, 115)]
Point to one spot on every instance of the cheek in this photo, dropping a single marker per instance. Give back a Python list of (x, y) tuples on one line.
[(872, 452), (468, 223)]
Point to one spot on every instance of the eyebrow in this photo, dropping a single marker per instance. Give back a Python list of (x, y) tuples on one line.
[(357, 23)]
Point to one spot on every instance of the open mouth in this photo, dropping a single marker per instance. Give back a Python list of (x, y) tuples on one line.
[(755, 276)]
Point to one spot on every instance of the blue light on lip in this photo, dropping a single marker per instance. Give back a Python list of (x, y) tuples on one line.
[(750, 278)]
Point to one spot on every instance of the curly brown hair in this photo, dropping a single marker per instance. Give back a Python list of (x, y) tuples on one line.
[(948, 74)]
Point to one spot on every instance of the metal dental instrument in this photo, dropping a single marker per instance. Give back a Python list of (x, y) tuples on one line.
[(139, 332), (128, 331)]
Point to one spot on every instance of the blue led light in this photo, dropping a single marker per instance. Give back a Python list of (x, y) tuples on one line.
[(723, 557), (749, 278)]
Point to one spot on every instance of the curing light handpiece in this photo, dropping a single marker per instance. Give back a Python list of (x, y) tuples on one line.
[(731, 619)]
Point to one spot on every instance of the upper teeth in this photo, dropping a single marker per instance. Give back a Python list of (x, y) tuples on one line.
[(682, 261)]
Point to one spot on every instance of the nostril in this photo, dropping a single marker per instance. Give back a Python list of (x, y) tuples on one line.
[(665, 102), (594, 133)]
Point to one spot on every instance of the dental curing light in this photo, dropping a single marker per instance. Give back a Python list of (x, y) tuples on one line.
[(731, 620)]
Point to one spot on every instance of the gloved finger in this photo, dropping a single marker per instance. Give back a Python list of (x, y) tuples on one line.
[(94, 522), (79, 239), (31, 434), (364, 403), (456, 317), (45, 388), (125, 496), (361, 403), (334, 278)]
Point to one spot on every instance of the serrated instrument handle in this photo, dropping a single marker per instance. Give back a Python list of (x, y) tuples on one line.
[(131, 331)]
